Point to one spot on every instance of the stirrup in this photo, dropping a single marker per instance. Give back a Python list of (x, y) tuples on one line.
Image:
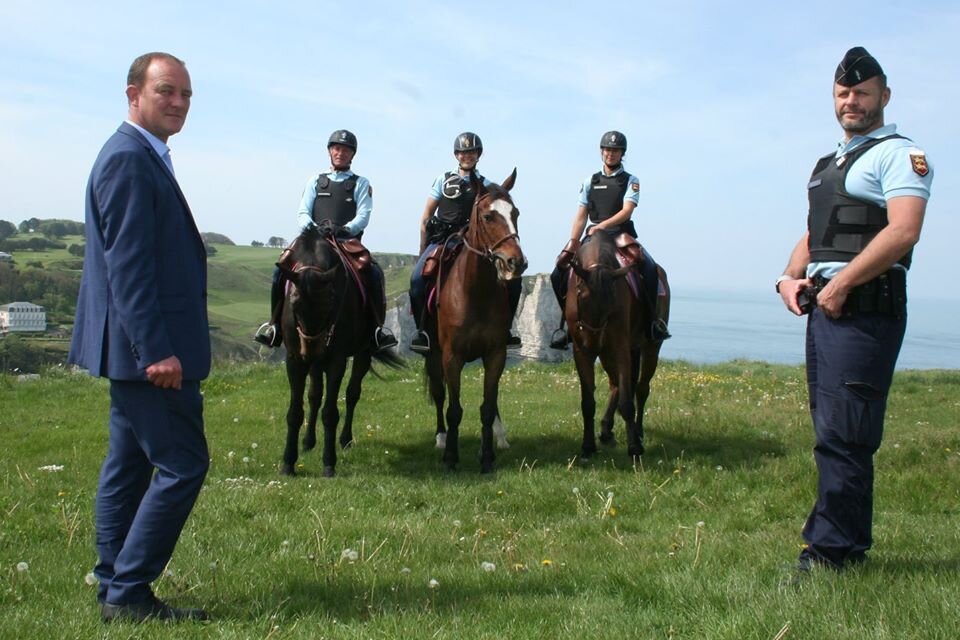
[(383, 339), (559, 340), (267, 335), (659, 331), (420, 343)]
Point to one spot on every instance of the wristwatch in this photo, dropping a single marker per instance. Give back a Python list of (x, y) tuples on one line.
[(782, 278)]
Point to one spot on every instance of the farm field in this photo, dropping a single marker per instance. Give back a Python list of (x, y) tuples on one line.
[(692, 541)]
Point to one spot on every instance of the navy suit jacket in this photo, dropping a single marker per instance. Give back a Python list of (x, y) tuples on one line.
[(143, 293)]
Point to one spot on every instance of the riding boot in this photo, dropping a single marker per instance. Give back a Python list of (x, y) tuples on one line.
[(269, 333), (514, 289), (657, 331), (558, 281), (376, 295)]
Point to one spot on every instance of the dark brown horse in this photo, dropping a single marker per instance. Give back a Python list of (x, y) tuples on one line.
[(324, 325), (473, 317), (608, 321)]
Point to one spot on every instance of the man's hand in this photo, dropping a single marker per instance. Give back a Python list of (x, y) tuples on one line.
[(166, 374), (789, 290), (831, 299)]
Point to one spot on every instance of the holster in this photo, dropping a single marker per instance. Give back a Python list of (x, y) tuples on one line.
[(886, 294), (432, 263), (568, 252), (629, 248)]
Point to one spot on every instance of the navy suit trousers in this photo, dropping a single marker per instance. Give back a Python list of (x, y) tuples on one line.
[(850, 364), (154, 469)]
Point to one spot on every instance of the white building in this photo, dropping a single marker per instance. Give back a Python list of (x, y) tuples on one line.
[(5, 257), (22, 316)]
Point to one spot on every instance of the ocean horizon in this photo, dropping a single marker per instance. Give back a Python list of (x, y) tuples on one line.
[(709, 327)]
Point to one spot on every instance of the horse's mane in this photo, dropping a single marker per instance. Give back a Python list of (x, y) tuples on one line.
[(599, 256)]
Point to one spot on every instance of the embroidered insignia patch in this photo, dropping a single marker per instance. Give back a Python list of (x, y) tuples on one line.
[(635, 186), (918, 160)]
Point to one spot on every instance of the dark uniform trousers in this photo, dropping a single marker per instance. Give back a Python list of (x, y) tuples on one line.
[(850, 364), (139, 513)]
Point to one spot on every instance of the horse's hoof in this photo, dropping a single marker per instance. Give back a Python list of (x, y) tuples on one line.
[(586, 454), (636, 451), (287, 470), (441, 441), (328, 472)]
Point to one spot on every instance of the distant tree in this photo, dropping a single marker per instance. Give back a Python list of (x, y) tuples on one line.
[(276, 242), (256, 243), (211, 250), (75, 250), (216, 238), (53, 229), (7, 229), (29, 225)]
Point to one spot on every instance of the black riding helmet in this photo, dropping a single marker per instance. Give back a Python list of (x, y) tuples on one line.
[(344, 137), (613, 140), (468, 141)]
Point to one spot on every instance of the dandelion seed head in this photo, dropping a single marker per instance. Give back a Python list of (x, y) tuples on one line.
[(457, 523), (254, 445), (231, 454), (246, 459), (489, 567), (236, 419), (576, 490), (22, 567), (90, 579), (433, 584), (405, 571), (701, 524)]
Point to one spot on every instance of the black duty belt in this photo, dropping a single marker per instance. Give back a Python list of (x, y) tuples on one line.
[(886, 294)]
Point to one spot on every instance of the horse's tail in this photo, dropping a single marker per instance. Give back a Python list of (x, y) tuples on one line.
[(388, 357)]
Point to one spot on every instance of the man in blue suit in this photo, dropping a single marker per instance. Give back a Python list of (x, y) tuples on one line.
[(142, 323)]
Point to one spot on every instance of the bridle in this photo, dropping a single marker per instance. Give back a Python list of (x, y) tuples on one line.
[(306, 339), (485, 252)]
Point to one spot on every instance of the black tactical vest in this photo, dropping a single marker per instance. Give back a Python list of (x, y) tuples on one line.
[(335, 200), (457, 201), (840, 225), (606, 198)]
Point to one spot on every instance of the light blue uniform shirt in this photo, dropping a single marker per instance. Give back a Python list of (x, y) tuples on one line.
[(882, 173), (633, 187), (362, 195), (436, 190)]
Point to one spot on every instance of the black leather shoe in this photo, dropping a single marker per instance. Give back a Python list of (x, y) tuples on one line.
[(513, 342), (420, 343), (559, 340), (151, 609), (383, 339), (659, 331), (268, 335)]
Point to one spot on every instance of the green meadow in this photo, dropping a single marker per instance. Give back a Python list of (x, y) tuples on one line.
[(692, 541)]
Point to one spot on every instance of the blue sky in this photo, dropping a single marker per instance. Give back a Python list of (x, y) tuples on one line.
[(726, 107)]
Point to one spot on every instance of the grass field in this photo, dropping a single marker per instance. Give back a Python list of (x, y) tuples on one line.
[(692, 542)]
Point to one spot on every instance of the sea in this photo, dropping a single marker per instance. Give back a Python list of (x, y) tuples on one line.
[(713, 326)]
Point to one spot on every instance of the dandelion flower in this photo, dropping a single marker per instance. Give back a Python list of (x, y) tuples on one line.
[(433, 584), (547, 562), (22, 567), (612, 512), (489, 567), (90, 579)]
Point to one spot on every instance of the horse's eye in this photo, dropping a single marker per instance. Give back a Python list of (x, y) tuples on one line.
[(488, 217)]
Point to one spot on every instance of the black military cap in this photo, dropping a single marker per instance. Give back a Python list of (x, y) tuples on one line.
[(856, 67)]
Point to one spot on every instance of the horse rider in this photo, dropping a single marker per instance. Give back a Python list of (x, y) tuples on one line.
[(607, 201), (448, 211), (345, 200)]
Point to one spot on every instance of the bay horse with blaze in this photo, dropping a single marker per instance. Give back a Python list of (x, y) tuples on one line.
[(472, 318)]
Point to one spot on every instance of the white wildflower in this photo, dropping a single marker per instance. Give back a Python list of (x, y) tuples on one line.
[(405, 571), (90, 579), (246, 459), (349, 554), (22, 567), (51, 468), (254, 445), (489, 567), (433, 584)]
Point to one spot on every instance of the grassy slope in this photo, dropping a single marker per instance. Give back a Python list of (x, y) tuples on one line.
[(691, 543), (238, 288)]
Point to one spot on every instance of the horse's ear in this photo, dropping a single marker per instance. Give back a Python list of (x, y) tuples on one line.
[(508, 183)]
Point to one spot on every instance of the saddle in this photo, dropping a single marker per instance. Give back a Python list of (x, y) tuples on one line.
[(355, 257), (437, 263)]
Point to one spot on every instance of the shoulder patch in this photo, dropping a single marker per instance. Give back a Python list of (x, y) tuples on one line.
[(635, 186), (918, 161)]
